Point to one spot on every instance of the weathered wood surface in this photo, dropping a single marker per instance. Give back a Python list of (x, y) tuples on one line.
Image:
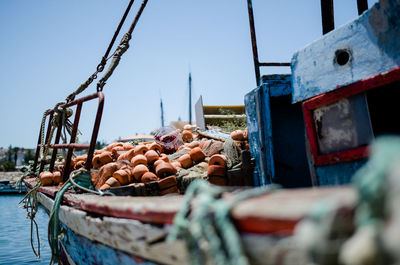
[(130, 236), (280, 211), (372, 42), (277, 212), (265, 223)]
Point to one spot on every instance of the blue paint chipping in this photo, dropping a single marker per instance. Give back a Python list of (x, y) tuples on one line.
[(338, 174), (85, 251), (276, 134), (373, 40)]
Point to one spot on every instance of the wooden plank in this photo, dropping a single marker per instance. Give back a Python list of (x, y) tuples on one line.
[(281, 210), (277, 212), (130, 236), (154, 209), (109, 240), (234, 109), (264, 222)]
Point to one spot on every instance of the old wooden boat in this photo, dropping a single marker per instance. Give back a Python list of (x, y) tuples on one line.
[(9, 187), (341, 88)]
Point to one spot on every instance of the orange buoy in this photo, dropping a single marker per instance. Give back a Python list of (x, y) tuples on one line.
[(217, 180), (149, 177), (122, 176), (218, 159), (216, 170), (165, 169), (138, 171), (176, 164), (96, 161), (80, 158), (151, 156), (46, 178), (156, 147), (105, 172), (167, 182), (173, 189), (187, 136), (117, 151), (139, 160), (113, 182), (237, 135), (164, 158), (159, 161), (105, 157), (127, 146), (98, 152), (141, 149), (196, 154), (112, 145), (57, 177), (127, 155), (194, 144), (185, 161), (188, 127), (79, 164)]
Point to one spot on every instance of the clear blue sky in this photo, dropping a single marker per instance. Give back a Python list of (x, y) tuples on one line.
[(49, 47)]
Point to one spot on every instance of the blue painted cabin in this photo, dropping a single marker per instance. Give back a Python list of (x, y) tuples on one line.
[(276, 134), (315, 125)]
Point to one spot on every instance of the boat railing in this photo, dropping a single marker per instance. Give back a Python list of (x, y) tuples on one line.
[(71, 146)]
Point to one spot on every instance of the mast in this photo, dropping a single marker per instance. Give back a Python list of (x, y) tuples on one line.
[(190, 98), (162, 113)]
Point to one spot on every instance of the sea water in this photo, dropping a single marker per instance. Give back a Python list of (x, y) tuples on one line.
[(15, 229)]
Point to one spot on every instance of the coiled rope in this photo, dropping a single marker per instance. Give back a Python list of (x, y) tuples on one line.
[(30, 201), (79, 178), (207, 229)]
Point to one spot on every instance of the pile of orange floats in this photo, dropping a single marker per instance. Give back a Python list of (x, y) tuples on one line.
[(124, 164)]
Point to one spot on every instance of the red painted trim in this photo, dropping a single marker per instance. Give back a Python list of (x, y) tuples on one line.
[(266, 226), (270, 222), (145, 215), (336, 95), (344, 156)]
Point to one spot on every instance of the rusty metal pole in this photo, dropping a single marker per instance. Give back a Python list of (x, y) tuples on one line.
[(328, 21), (72, 141), (95, 131), (362, 5), (253, 41)]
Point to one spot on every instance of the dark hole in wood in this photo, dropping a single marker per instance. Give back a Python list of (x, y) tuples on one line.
[(383, 104), (289, 150), (342, 57)]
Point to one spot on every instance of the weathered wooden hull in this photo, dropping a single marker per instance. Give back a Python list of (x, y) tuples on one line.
[(131, 230), (76, 249), (11, 189), (109, 240)]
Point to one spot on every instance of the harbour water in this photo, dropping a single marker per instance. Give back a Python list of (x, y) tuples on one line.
[(15, 246)]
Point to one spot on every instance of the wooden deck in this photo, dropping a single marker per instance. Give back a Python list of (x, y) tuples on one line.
[(277, 212)]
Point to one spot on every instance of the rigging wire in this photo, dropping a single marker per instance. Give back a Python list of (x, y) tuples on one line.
[(104, 59)]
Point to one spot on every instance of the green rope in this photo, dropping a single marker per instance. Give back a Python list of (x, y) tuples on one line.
[(79, 178), (207, 229)]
